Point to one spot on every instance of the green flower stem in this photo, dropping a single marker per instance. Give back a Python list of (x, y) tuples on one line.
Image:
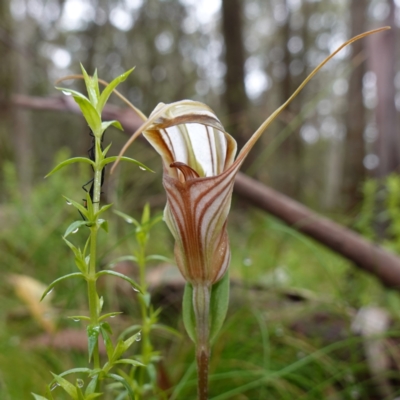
[(201, 306), (147, 348), (92, 288), (92, 291)]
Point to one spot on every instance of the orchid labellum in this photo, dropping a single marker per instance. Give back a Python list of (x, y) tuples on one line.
[(199, 171)]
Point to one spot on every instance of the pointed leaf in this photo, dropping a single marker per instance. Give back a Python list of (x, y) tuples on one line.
[(91, 387), (167, 329), (123, 258), (127, 218), (110, 315), (146, 214), (189, 319), (114, 123), (89, 112), (124, 345), (68, 162), (93, 396), (91, 87), (134, 363), (103, 224), (67, 386), (93, 336), (156, 257), (105, 151), (109, 160), (107, 341), (109, 89), (129, 330), (79, 393), (37, 397), (103, 209), (74, 227), (54, 283), (219, 303), (79, 317), (78, 206), (76, 371), (124, 382), (118, 275), (79, 258)]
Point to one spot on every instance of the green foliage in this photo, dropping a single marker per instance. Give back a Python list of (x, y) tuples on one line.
[(380, 210)]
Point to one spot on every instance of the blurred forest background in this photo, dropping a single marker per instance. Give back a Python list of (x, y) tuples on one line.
[(336, 149)]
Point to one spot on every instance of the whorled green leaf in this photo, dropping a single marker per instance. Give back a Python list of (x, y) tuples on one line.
[(122, 276), (68, 162), (37, 397), (109, 160), (129, 330), (92, 86), (103, 223), (124, 382), (156, 257), (79, 393), (129, 361), (219, 303), (124, 345), (123, 258), (89, 112), (77, 318), (67, 386), (93, 396), (151, 371), (189, 318), (74, 227), (114, 123), (54, 283), (105, 151), (93, 336), (146, 298), (76, 371), (103, 209), (166, 329), (83, 210), (100, 304), (107, 340), (146, 214), (109, 89), (110, 315), (79, 257), (91, 387), (127, 218)]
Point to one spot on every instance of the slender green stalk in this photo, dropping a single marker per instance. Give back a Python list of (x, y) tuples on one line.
[(201, 305), (91, 283)]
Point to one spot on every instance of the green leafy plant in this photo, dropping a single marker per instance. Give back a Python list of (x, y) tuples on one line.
[(85, 257)]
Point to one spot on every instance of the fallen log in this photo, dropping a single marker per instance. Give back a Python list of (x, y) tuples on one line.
[(367, 256)]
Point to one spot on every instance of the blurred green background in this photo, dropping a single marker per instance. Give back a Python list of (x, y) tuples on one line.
[(300, 315)]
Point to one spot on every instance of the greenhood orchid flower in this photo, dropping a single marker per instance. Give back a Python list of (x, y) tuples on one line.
[(199, 171)]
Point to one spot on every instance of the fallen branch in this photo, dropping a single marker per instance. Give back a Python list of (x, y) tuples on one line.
[(367, 256), (128, 118)]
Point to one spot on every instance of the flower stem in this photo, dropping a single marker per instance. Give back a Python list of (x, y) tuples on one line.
[(91, 283), (201, 305)]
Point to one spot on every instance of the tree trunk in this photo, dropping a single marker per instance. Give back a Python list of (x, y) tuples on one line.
[(21, 130), (354, 171), (235, 97), (289, 173), (382, 51)]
